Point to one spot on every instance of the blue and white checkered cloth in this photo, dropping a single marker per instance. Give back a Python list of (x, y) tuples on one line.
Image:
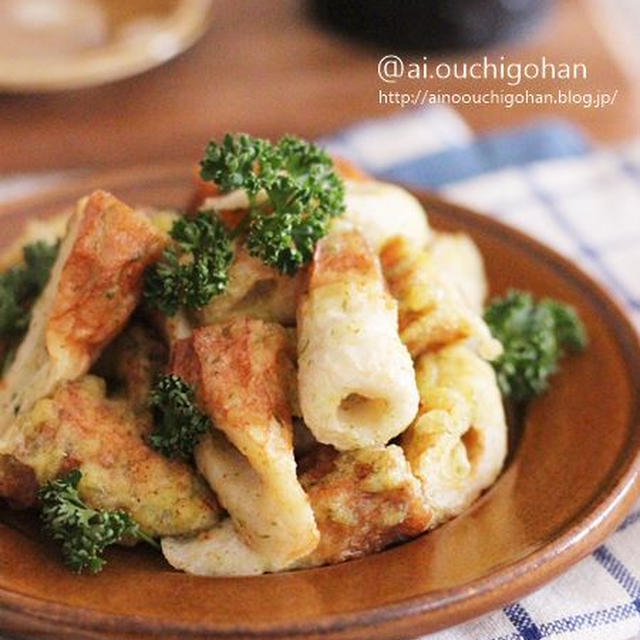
[(548, 180)]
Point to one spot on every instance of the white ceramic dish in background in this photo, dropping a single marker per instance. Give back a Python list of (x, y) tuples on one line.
[(53, 45)]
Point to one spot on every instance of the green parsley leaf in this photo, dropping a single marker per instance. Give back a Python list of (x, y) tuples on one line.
[(179, 422), (534, 336), (83, 532), (293, 193), (194, 268)]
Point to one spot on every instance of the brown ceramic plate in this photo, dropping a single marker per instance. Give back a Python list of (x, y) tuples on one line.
[(570, 478)]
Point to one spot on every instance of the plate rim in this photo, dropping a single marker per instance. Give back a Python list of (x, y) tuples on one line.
[(106, 64), (599, 517)]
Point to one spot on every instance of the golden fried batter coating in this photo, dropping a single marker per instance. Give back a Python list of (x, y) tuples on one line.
[(457, 445), (101, 279), (432, 311), (79, 427), (363, 501), (94, 286)]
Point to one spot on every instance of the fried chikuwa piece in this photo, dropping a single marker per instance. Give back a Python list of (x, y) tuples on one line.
[(355, 377), (457, 445), (78, 427), (381, 211), (432, 310), (457, 257), (241, 370), (94, 286), (363, 501), (255, 290)]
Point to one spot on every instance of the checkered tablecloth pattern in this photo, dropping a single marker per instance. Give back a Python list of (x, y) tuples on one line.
[(548, 180)]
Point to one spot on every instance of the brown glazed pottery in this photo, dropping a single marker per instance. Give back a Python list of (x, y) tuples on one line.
[(571, 476)]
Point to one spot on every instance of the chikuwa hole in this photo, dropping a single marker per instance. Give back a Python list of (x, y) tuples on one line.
[(360, 410), (472, 441)]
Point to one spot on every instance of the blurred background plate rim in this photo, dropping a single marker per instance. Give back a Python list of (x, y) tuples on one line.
[(102, 64)]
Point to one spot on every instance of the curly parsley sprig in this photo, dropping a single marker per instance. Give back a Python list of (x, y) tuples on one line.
[(83, 532), (293, 193), (534, 336), (19, 287), (179, 422), (194, 268), (22, 283)]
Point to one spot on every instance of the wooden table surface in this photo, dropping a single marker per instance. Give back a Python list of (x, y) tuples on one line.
[(267, 68)]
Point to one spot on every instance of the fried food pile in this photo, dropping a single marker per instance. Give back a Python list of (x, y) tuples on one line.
[(307, 414)]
